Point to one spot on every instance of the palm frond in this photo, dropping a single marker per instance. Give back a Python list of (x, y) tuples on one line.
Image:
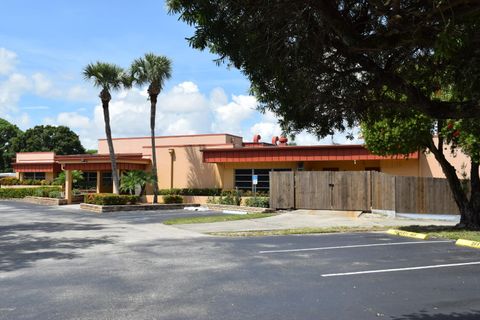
[(151, 69), (105, 75)]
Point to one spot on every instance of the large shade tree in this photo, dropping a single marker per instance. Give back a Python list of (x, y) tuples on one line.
[(331, 64), (152, 70), (8, 132), (108, 77), (59, 139)]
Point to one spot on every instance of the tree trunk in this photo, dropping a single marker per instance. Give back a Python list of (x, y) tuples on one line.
[(153, 110), (105, 96), (469, 211), (473, 217)]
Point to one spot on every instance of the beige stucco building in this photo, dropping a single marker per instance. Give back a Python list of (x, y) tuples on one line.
[(223, 161)]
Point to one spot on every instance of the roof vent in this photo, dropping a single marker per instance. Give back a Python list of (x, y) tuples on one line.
[(283, 141), (256, 138), (275, 140)]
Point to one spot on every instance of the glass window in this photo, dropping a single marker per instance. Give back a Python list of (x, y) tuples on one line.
[(243, 178), (106, 178), (34, 176)]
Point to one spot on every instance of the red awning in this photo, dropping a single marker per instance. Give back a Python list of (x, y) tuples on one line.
[(294, 153), (36, 167)]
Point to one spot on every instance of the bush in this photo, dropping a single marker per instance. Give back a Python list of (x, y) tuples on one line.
[(229, 197), (40, 192), (24, 192), (55, 194), (261, 202), (9, 181), (110, 199), (172, 198), (191, 192), (249, 193), (45, 182)]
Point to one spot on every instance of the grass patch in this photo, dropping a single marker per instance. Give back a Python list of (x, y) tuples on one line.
[(217, 218), (446, 232), (282, 232)]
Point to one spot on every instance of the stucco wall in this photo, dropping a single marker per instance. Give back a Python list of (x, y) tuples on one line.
[(189, 171), (400, 167), (142, 144), (37, 157)]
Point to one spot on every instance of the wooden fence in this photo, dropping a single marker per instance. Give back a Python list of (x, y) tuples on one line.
[(360, 190)]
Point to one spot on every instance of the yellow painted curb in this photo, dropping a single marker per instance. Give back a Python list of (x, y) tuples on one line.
[(402, 233), (468, 243)]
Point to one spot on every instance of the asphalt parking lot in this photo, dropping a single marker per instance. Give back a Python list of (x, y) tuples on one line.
[(66, 264)]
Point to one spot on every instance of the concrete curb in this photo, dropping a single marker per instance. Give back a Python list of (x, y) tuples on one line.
[(135, 207), (408, 234), (468, 243)]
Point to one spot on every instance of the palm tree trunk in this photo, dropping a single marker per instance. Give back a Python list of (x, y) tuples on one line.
[(108, 133), (153, 111)]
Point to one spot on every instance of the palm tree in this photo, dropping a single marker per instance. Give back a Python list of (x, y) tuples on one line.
[(108, 77), (152, 70)]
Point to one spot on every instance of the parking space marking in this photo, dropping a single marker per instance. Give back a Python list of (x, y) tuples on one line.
[(402, 269), (356, 246)]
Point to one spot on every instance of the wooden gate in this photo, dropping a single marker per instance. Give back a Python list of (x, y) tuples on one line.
[(332, 190), (282, 190)]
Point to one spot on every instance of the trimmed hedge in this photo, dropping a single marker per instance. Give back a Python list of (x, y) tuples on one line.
[(191, 192), (6, 193), (172, 198), (10, 181), (110, 199), (261, 202)]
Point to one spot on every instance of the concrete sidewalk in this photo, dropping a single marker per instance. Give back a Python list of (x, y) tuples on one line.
[(309, 219)]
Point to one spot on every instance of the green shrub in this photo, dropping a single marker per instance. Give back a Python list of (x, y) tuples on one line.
[(9, 181), (228, 197), (249, 193), (110, 199), (55, 194), (8, 193), (172, 198), (261, 202), (39, 192), (191, 192)]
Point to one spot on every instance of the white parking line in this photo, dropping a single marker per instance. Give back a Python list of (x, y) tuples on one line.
[(402, 269), (355, 246)]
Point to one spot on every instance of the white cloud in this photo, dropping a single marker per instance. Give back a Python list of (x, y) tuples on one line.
[(229, 117), (21, 120), (11, 90), (184, 97), (73, 120), (80, 93), (43, 86), (8, 60)]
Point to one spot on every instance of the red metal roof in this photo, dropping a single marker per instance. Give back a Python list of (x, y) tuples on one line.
[(85, 162), (294, 153), (36, 167)]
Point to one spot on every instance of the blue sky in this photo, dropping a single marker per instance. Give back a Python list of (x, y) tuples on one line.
[(44, 46)]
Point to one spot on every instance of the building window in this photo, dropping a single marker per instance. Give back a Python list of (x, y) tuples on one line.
[(372, 169), (107, 178), (243, 178), (89, 180), (34, 175)]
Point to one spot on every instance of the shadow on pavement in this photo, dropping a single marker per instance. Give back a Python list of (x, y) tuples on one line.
[(472, 315), (19, 250)]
